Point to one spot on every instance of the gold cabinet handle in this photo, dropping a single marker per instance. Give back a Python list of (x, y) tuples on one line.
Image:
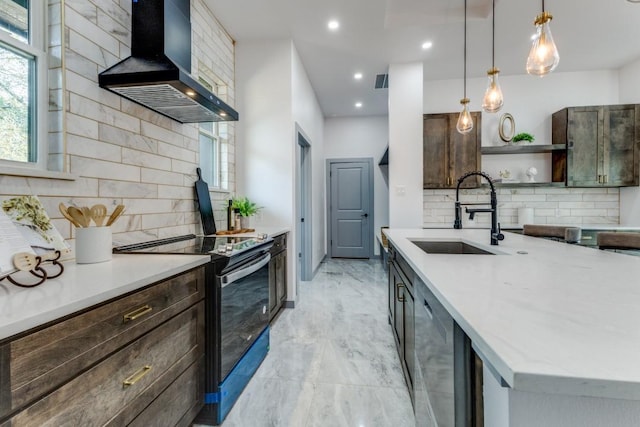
[(137, 313), (599, 179), (400, 285), (137, 376)]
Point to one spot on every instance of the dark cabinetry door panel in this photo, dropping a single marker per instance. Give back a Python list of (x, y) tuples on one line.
[(602, 146), (447, 154), (278, 276), (435, 150), (620, 145), (584, 146)]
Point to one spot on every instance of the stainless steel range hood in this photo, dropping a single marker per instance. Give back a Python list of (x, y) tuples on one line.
[(156, 74)]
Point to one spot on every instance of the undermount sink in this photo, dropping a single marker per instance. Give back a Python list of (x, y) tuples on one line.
[(455, 247)]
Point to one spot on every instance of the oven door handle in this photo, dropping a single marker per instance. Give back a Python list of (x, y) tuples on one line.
[(228, 279)]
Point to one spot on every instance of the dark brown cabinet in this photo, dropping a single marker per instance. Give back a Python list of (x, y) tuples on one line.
[(402, 314), (448, 154), (125, 359), (602, 146), (278, 275)]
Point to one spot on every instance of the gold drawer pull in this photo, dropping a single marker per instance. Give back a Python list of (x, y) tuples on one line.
[(136, 377), (137, 313)]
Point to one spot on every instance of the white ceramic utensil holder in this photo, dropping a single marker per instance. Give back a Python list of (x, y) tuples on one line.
[(93, 244)]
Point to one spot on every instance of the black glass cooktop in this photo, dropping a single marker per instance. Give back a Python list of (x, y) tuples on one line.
[(195, 245)]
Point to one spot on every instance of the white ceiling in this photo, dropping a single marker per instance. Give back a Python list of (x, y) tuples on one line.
[(590, 35)]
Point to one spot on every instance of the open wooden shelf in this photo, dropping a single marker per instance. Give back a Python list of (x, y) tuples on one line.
[(522, 149)]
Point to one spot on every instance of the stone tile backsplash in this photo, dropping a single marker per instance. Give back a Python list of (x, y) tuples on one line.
[(551, 205)]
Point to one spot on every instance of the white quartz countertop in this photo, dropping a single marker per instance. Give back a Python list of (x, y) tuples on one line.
[(559, 319), (84, 285)]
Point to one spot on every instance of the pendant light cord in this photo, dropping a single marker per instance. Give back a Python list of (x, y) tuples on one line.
[(493, 37), (465, 48), (542, 6)]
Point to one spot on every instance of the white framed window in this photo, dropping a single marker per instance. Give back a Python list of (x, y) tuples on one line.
[(23, 84), (213, 150)]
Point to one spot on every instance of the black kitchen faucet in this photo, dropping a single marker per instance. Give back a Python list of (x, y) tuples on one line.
[(496, 235)]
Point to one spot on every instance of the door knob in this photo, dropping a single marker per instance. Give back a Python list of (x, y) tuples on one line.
[(366, 215)]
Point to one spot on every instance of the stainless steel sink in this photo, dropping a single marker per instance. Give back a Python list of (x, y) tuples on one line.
[(458, 248)]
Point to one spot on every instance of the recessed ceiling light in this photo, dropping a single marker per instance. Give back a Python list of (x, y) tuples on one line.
[(427, 45), (358, 104), (357, 76), (333, 25), (190, 93)]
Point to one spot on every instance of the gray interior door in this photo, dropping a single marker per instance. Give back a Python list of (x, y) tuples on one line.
[(351, 209)]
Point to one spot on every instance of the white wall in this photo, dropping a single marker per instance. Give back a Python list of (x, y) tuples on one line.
[(347, 137), (263, 92), (630, 94), (405, 145), (308, 116), (531, 101), (273, 94)]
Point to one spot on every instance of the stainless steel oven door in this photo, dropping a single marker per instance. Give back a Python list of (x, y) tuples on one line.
[(244, 309)]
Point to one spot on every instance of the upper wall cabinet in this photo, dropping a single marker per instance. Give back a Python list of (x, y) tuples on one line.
[(448, 154), (602, 146)]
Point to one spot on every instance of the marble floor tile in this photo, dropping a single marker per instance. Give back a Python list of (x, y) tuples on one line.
[(358, 361), (267, 402), (293, 359), (355, 406), (332, 360)]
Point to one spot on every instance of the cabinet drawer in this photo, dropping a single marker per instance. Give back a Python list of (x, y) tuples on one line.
[(179, 404), (43, 360), (112, 387)]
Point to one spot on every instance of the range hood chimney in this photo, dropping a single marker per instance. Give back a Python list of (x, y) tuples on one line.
[(156, 74)]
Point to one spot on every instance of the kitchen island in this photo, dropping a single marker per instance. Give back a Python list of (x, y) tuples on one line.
[(556, 325)]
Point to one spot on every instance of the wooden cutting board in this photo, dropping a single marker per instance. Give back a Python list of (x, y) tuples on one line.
[(204, 204), (244, 230)]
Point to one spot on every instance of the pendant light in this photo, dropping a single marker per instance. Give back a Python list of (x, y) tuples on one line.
[(543, 56), (493, 100), (465, 122)]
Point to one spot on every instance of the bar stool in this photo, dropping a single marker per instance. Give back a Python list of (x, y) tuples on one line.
[(554, 232), (619, 241)]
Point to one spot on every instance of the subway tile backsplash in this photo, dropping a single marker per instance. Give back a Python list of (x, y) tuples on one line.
[(119, 151), (551, 205)]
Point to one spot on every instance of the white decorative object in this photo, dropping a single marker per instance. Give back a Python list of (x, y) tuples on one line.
[(93, 244), (531, 174), (525, 216)]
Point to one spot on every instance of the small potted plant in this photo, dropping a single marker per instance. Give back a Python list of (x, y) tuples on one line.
[(523, 136), (245, 208)]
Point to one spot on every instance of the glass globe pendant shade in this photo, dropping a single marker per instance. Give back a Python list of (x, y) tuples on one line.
[(465, 122), (543, 56), (493, 100)]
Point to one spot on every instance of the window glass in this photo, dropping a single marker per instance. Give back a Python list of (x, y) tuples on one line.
[(212, 149), (22, 59), (210, 159), (17, 106), (14, 19)]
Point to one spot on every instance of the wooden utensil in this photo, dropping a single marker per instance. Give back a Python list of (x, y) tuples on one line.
[(63, 211), (79, 216), (115, 214), (86, 211), (24, 261), (98, 213)]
